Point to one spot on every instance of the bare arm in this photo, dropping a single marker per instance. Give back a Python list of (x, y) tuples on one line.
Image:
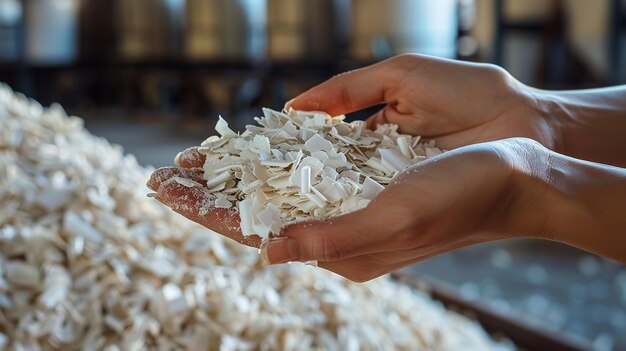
[(576, 202), (590, 124)]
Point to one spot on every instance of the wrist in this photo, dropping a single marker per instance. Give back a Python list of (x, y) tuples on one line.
[(543, 202), (548, 115), (585, 124), (559, 198), (529, 198)]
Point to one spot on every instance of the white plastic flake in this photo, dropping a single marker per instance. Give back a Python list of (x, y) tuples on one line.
[(187, 182), (305, 179), (222, 128), (312, 166), (115, 270), (392, 159), (371, 189), (22, 274)]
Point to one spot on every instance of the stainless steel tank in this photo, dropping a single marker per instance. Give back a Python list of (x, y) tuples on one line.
[(383, 28), (149, 29), (217, 29), (10, 19), (51, 34), (306, 29)]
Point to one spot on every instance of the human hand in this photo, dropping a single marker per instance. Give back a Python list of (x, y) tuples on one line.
[(459, 198), (458, 103), (477, 193), (195, 203), (455, 199), (512, 188)]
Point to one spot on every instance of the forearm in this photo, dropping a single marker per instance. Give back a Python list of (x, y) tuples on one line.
[(588, 124), (576, 202)]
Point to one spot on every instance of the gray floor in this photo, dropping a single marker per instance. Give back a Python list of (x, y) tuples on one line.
[(555, 286)]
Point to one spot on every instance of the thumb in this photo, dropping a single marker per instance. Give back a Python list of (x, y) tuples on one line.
[(330, 240), (344, 93)]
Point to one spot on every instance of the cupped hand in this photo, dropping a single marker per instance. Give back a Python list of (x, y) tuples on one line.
[(195, 203), (456, 199), (459, 198), (458, 103)]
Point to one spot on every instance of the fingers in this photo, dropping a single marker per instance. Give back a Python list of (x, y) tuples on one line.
[(328, 240), (363, 268), (344, 93), (367, 267), (195, 204), (190, 158), (358, 233), (384, 115), (412, 123)]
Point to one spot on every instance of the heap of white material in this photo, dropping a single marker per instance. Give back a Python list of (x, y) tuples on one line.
[(87, 262), (297, 165)]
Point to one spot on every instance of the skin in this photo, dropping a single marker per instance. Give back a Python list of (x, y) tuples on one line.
[(525, 163)]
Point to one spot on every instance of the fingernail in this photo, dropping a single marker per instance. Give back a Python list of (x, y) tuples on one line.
[(288, 105), (279, 250)]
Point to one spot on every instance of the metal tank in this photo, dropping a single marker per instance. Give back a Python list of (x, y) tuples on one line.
[(51, 34), (10, 20), (380, 29), (148, 29), (233, 29), (306, 29)]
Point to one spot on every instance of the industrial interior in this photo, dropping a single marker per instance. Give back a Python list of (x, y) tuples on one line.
[(154, 75)]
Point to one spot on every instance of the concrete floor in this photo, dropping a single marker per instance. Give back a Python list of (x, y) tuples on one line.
[(554, 286)]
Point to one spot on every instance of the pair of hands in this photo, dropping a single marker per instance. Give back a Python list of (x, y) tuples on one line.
[(486, 188)]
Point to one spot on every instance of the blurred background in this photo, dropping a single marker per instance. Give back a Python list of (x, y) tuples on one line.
[(153, 75)]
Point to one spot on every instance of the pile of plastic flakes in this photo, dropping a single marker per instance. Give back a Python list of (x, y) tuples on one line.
[(298, 165)]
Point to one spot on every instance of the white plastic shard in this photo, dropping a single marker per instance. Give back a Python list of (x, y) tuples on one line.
[(175, 299), (276, 163), (316, 121), (314, 165), (317, 143), (376, 164), (245, 214), (370, 189), (53, 198), (317, 198), (218, 179), (22, 274), (404, 144), (305, 180), (270, 218), (75, 225), (331, 190), (57, 283), (262, 143), (187, 182), (432, 151), (221, 201), (392, 159), (222, 128), (336, 160), (279, 181)]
